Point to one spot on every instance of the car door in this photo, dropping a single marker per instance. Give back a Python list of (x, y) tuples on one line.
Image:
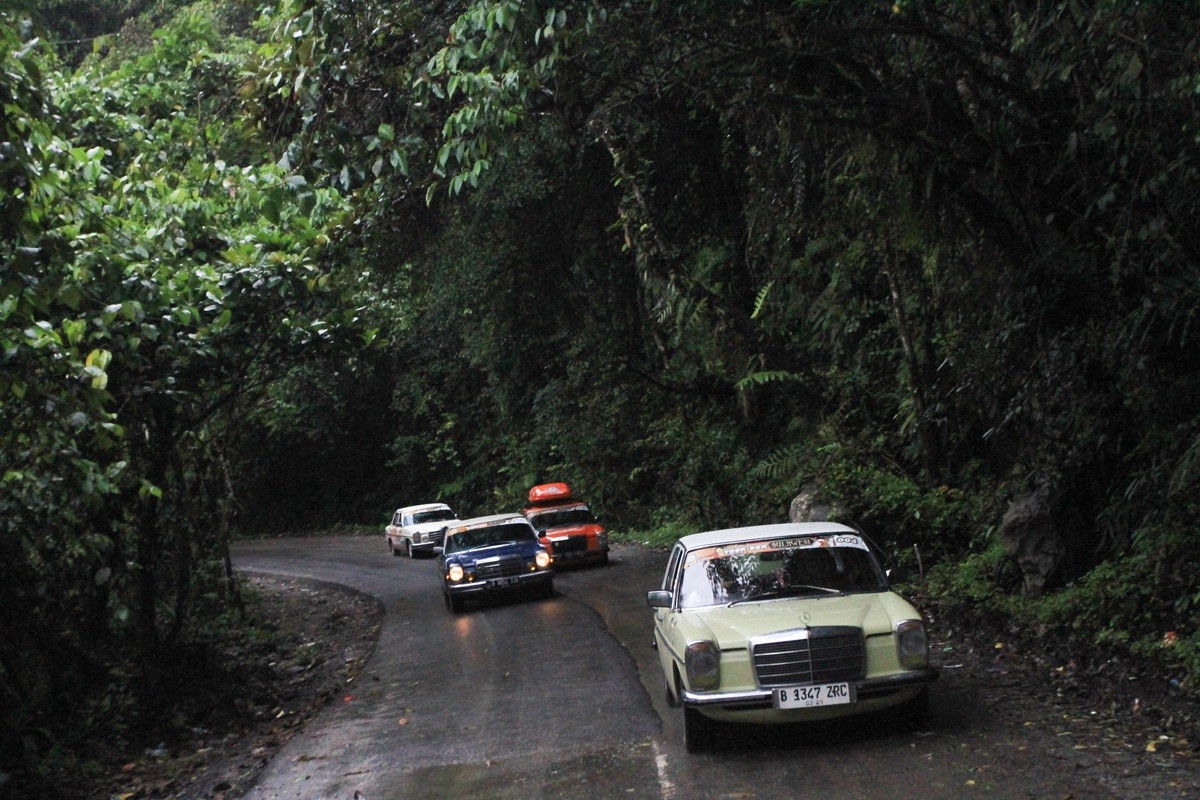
[(665, 619)]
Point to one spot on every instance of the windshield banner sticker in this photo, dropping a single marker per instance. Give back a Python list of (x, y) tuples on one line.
[(748, 548)]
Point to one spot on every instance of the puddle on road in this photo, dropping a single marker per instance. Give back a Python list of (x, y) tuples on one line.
[(627, 773)]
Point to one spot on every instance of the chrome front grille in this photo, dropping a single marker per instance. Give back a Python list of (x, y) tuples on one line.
[(504, 567), (812, 655)]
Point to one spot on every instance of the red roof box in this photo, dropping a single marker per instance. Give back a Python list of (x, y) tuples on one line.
[(545, 493)]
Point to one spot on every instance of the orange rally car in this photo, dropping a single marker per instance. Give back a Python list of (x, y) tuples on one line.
[(566, 526)]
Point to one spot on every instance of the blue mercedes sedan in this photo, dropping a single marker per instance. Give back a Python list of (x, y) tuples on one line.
[(487, 556)]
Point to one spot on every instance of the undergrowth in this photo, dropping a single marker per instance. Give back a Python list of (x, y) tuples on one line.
[(1145, 602)]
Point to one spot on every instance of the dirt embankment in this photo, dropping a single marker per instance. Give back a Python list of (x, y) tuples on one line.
[(248, 693)]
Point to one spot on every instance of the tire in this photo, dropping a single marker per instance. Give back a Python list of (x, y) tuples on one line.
[(408, 551), (392, 547), (697, 731), (914, 714), (697, 728), (672, 701), (455, 604)]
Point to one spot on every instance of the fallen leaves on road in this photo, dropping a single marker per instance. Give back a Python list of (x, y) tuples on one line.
[(304, 758)]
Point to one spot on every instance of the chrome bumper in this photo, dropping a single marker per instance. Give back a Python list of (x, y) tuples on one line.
[(864, 690), (524, 579)]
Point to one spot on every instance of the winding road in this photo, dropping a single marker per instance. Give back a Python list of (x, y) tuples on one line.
[(562, 698)]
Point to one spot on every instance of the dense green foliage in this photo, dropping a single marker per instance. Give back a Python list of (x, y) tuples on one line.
[(692, 256), (159, 271)]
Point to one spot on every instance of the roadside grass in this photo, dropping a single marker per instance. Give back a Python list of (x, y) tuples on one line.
[(1128, 609), (661, 536), (341, 529)]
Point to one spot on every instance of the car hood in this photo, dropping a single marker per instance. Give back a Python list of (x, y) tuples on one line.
[(731, 627), (590, 529), (525, 549)]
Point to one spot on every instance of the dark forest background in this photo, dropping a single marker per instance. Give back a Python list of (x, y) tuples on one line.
[(276, 269)]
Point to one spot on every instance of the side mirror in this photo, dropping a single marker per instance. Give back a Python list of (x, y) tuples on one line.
[(658, 599), (437, 550), (897, 575)]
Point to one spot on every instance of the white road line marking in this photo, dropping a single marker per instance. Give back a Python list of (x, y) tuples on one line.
[(666, 788)]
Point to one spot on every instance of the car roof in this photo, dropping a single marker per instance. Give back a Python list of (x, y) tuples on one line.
[(756, 532), (486, 522), (423, 507)]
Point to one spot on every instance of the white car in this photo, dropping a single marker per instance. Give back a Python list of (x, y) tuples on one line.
[(419, 529)]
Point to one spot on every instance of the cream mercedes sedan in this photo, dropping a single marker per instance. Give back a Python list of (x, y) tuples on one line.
[(784, 623)]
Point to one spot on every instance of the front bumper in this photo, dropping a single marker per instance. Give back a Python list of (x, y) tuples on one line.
[(865, 689), (508, 584), (575, 556)]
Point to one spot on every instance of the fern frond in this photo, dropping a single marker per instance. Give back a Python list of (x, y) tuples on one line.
[(761, 299), (765, 376)]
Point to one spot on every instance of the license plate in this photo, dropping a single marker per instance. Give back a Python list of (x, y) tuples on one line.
[(825, 694), (502, 581)]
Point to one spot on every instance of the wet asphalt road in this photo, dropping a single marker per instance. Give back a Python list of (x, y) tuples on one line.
[(562, 698)]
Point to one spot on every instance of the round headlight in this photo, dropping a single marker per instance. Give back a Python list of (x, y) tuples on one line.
[(455, 573), (542, 559), (912, 647), (703, 663)]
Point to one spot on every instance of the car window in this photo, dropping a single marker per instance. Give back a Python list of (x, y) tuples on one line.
[(491, 535), (672, 568), (435, 515), (779, 568), (560, 518)]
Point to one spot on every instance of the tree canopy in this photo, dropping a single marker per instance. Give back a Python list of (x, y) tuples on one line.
[(268, 269)]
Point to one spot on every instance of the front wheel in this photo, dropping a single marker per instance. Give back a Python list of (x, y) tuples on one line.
[(408, 551), (697, 730), (455, 604), (914, 714)]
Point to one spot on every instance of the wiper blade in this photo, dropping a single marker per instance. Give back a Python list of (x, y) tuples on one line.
[(787, 591)]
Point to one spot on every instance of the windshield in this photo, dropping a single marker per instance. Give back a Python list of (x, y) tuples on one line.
[(808, 566), (484, 537), (435, 515), (561, 517)]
